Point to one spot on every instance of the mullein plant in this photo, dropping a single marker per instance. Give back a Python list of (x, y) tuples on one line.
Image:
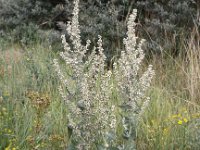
[(100, 101)]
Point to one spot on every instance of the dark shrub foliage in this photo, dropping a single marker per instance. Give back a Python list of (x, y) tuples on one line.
[(166, 22), (163, 23)]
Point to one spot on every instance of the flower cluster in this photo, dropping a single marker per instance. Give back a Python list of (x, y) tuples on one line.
[(88, 87), (130, 85), (39, 101)]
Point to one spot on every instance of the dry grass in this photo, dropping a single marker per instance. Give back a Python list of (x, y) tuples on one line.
[(193, 66), (7, 58)]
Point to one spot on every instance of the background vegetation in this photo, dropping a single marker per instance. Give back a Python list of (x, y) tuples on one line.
[(30, 38)]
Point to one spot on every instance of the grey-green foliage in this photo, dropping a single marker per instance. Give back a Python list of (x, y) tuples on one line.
[(166, 22), (163, 23), (24, 18), (98, 17), (17, 12)]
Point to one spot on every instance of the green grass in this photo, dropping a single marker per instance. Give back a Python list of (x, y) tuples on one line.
[(171, 121), (33, 73)]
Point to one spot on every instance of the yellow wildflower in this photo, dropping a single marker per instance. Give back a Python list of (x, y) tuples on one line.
[(185, 120), (180, 122)]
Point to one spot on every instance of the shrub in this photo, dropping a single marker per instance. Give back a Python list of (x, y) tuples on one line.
[(98, 99), (21, 20), (170, 20), (167, 19)]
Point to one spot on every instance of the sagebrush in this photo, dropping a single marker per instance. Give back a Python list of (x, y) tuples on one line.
[(99, 100)]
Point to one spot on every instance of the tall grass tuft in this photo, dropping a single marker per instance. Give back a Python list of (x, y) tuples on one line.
[(193, 68)]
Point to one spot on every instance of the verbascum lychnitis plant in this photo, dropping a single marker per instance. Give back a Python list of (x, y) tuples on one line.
[(103, 105)]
